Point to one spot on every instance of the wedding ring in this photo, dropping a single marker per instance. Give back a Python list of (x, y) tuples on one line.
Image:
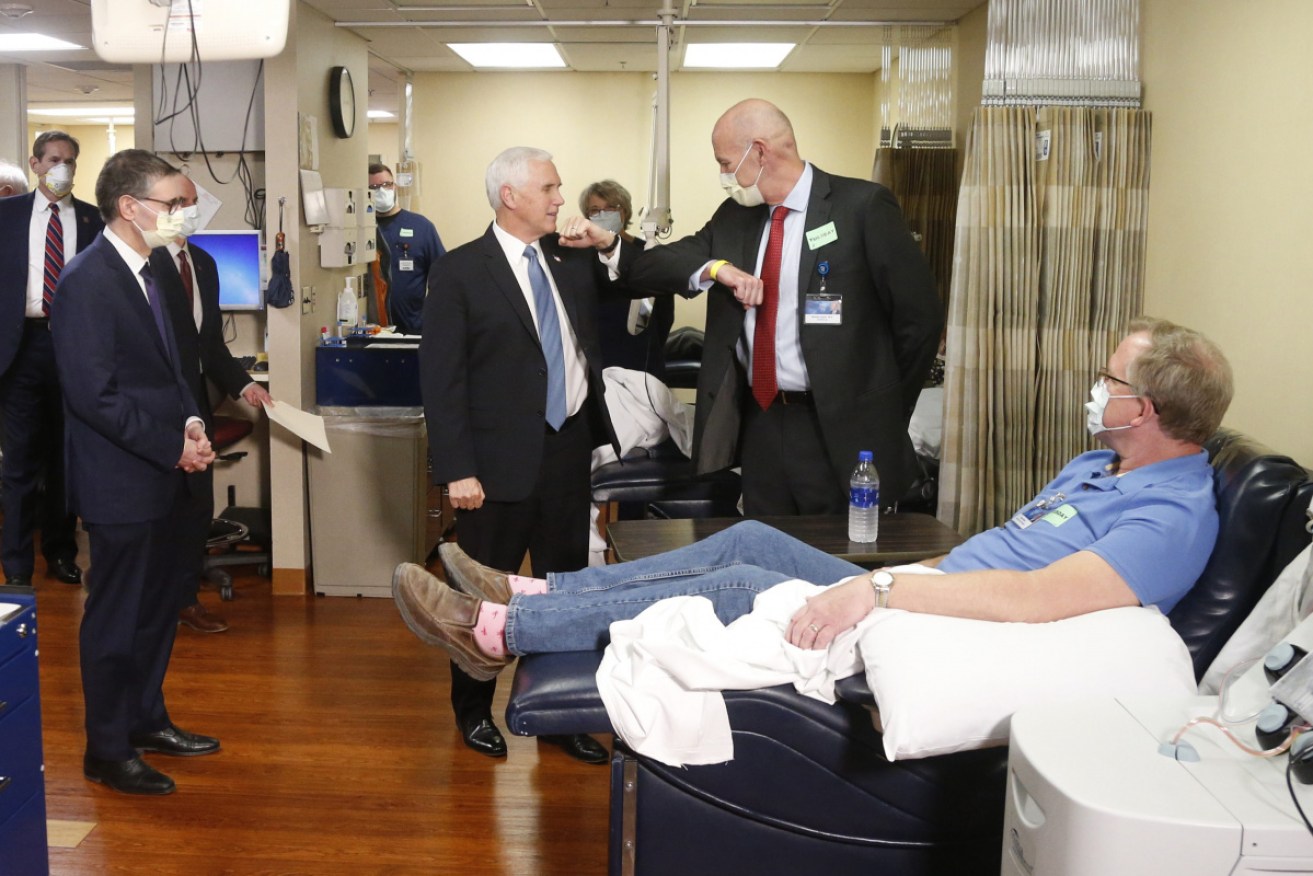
[(813, 628)]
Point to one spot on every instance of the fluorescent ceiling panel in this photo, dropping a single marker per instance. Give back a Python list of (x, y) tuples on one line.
[(736, 56), (33, 42), (509, 55), (116, 112)]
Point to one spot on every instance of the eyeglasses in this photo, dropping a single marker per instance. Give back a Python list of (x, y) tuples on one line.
[(596, 210), (384, 185), (171, 206), (1104, 375)]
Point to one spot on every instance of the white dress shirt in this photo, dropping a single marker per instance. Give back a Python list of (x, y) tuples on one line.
[(576, 369), (36, 246), (174, 248), (790, 369)]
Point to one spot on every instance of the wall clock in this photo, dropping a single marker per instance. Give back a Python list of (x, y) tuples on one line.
[(342, 101)]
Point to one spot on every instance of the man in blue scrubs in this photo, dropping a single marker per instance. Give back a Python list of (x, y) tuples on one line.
[(408, 245), (1130, 525)]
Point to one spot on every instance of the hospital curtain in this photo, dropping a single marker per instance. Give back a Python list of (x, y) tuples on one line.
[(1048, 267), (925, 183)]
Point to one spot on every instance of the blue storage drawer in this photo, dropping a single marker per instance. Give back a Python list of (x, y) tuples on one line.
[(23, 849), (21, 777)]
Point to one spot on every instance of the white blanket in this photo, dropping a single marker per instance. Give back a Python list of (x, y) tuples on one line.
[(662, 675)]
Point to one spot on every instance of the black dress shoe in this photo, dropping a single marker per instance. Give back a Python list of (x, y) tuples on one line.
[(580, 746), (133, 776), (19, 580), (484, 737), (175, 742), (65, 570)]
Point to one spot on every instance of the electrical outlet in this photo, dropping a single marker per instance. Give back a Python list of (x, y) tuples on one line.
[(307, 299)]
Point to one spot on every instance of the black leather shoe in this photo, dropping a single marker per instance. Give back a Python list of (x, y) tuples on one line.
[(580, 746), (484, 737), (65, 570), (19, 580), (133, 776), (175, 742)]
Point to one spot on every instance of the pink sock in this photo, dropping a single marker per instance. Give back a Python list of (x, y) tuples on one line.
[(490, 629), (527, 586)]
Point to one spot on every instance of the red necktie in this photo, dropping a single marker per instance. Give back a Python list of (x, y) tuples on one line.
[(764, 385), (54, 258), (184, 268)]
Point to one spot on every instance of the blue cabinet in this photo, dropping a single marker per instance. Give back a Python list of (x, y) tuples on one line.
[(23, 849)]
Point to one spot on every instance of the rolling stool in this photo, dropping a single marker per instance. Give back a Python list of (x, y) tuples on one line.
[(235, 526)]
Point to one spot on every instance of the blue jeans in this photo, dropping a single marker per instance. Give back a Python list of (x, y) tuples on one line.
[(730, 568)]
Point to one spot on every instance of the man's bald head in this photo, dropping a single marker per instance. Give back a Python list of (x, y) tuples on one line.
[(754, 119), (754, 137)]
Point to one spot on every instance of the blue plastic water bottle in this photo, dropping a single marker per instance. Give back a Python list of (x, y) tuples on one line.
[(864, 501)]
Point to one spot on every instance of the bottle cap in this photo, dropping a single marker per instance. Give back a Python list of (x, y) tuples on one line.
[(864, 456)]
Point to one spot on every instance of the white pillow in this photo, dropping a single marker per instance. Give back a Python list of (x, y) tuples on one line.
[(947, 684)]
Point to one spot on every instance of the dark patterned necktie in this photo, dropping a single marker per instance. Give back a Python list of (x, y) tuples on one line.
[(54, 265)]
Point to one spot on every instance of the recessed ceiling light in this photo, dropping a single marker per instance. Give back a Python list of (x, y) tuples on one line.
[(740, 56), (33, 42), (510, 55), (92, 109), (381, 114)]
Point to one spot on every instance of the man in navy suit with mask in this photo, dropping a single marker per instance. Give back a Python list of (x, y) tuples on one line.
[(43, 230), (134, 432)]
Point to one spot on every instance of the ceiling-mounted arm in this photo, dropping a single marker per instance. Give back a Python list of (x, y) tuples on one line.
[(657, 221)]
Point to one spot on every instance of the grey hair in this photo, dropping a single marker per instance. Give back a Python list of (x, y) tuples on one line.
[(510, 168), (13, 176)]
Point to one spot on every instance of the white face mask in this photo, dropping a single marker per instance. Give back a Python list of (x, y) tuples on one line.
[(385, 200), (59, 179), (608, 219), (167, 227), (1094, 409), (749, 196), (191, 220)]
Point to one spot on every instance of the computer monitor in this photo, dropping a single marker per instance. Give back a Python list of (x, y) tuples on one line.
[(240, 261)]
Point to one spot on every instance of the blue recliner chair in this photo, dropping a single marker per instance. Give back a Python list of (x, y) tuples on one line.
[(810, 790)]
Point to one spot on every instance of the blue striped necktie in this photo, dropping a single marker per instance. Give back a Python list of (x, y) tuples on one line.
[(549, 333)]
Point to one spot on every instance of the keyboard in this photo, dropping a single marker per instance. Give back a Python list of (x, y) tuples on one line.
[(247, 362)]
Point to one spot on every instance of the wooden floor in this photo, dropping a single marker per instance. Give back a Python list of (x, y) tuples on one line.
[(339, 756)]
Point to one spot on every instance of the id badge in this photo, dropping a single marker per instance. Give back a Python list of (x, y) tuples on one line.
[(823, 310), (405, 264)]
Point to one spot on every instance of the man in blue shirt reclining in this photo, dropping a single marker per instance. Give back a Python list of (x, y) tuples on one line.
[(1130, 525)]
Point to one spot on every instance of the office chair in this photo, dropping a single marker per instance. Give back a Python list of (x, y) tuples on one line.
[(239, 536)]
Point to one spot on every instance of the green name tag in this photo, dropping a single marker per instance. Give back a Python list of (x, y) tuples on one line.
[(818, 237), (1059, 515)]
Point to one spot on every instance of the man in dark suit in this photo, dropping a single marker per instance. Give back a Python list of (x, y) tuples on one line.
[(822, 322), (134, 432), (42, 231), (511, 376), (190, 280)]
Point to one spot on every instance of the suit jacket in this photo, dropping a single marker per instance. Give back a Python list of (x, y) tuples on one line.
[(482, 373), (15, 222), (126, 403), (203, 351), (866, 373)]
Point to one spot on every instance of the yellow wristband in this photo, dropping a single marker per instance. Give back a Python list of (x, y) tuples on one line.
[(716, 266)]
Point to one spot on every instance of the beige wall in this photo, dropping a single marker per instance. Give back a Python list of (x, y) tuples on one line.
[(1230, 213), (599, 125), (297, 80)]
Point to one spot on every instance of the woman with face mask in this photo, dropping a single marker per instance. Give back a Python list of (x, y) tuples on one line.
[(633, 333)]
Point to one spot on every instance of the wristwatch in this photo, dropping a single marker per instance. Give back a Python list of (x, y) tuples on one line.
[(882, 582)]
